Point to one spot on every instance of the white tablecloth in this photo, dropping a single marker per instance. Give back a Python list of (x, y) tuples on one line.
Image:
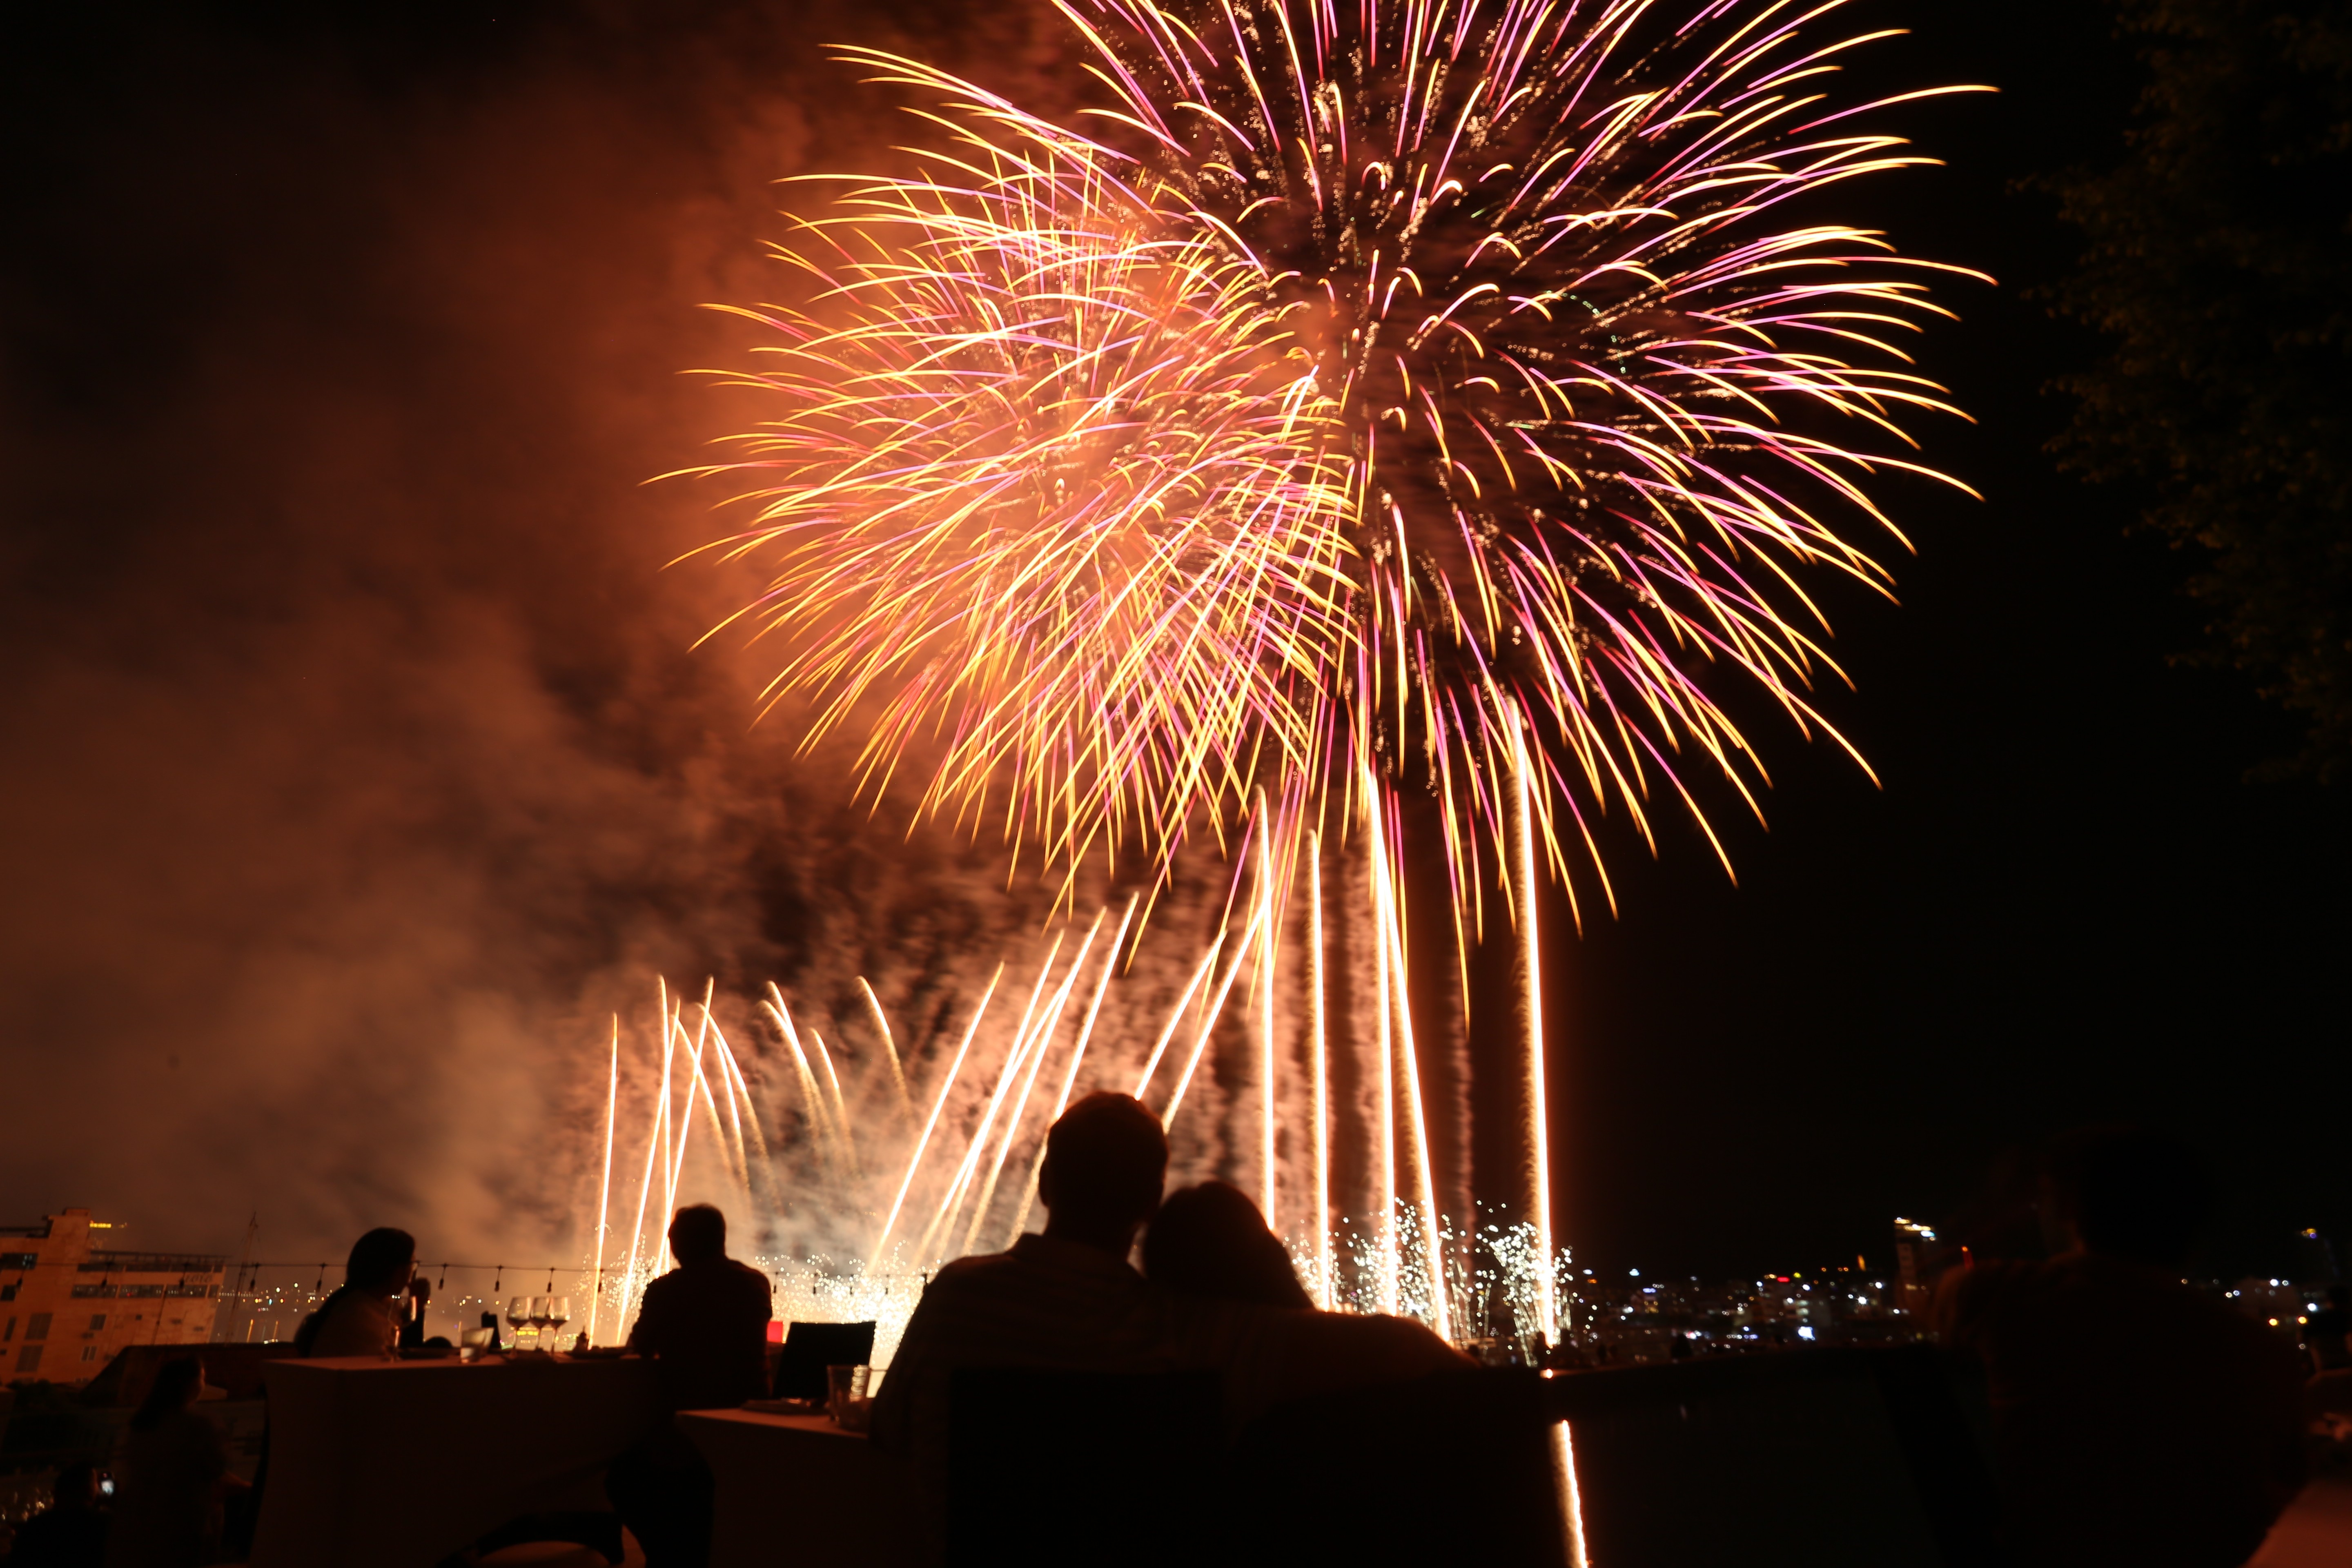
[(397, 1465), (798, 1489)]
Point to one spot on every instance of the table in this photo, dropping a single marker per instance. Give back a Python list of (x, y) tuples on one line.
[(2316, 1531), (797, 1488), (380, 1464)]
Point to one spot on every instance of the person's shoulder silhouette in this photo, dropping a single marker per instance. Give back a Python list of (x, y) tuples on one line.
[(70, 1532)]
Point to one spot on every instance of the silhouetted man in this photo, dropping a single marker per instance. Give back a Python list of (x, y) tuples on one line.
[(2137, 1420), (705, 1323), (1066, 1299)]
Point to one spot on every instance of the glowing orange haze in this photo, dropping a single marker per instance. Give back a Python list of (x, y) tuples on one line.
[(355, 758)]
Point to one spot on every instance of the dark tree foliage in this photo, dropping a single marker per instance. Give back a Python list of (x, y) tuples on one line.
[(2220, 261)]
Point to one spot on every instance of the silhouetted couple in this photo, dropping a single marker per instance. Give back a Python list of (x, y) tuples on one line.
[(1221, 1296), (2136, 1419)]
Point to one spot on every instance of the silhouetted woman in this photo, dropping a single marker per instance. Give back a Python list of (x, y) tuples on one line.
[(167, 1510), (1211, 1241), (361, 1318)]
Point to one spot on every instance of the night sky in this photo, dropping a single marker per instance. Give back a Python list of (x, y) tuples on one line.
[(353, 747)]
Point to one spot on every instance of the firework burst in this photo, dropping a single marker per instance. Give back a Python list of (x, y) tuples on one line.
[(1535, 252), (1411, 386), (1062, 498)]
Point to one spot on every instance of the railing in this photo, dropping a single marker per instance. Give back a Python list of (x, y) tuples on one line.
[(154, 1263)]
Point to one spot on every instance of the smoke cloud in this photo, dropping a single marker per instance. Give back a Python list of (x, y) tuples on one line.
[(359, 764)]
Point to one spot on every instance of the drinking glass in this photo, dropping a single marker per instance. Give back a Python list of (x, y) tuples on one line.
[(559, 1313), (518, 1318), (843, 1385), (542, 1338)]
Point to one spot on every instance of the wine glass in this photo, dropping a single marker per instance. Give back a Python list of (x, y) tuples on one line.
[(518, 1317), (539, 1321), (559, 1313)]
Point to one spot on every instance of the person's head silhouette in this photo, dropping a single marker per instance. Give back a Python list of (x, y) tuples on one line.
[(76, 1488), (381, 1262), (176, 1385), (2129, 1193), (1106, 1161), (698, 1234), (1210, 1240)]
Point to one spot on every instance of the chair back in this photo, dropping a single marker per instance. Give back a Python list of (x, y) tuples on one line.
[(1051, 1468), (810, 1348), (1454, 1467), (559, 1539), (1836, 1457)]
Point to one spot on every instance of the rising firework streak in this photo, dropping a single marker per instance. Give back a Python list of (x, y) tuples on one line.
[(918, 1184)]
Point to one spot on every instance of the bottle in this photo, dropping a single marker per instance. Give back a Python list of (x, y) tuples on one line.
[(412, 1325)]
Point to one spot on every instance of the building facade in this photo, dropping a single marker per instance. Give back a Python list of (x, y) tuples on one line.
[(71, 1299)]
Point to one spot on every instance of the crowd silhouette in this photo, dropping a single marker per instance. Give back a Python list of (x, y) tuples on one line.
[(1059, 1403)]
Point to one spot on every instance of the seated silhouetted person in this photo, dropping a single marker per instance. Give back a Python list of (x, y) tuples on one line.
[(1209, 1244), (363, 1318), (2137, 1420), (705, 1325), (1066, 1299), (71, 1533), (175, 1473), (705, 1321), (1210, 1241)]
